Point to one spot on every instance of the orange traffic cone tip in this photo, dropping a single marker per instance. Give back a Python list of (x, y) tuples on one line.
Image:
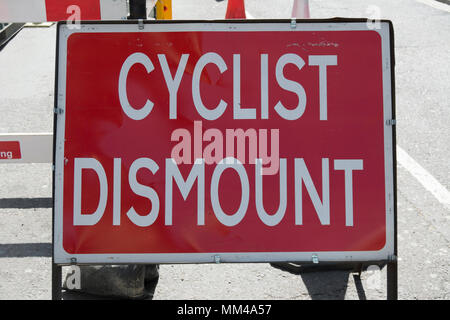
[(235, 9)]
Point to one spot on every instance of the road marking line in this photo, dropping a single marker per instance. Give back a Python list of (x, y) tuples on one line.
[(435, 4), (424, 177)]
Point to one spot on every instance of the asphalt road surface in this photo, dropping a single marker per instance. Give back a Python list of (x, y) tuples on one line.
[(423, 136)]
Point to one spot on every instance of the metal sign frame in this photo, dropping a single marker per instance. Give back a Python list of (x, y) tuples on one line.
[(385, 255)]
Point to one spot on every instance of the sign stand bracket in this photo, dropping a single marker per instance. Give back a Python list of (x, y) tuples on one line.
[(392, 280)]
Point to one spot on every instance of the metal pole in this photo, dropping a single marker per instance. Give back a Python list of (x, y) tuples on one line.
[(138, 9), (56, 281), (392, 281), (392, 266)]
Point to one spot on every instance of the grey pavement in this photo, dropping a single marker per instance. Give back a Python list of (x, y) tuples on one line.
[(423, 113)]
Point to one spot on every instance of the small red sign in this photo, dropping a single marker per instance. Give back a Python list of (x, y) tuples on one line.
[(77, 9), (10, 150)]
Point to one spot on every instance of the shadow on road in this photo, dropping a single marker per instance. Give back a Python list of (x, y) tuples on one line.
[(24, 250), (325, 282), (25, 203)]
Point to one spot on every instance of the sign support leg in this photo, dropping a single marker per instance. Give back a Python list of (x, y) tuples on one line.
[(392, 281), (56, 281), (138, 9)]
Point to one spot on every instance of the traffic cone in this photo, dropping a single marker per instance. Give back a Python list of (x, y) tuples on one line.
[(300, 9), (235, 9)]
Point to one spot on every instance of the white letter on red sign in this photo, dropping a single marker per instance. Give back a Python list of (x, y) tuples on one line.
[(348, 166), (322, 207), (289, 85), (323, 62), (88, 219), (234, 219), (270, 219), (135, 114), (117, 191), (197, 172), (173, 84), (238, 112), (144, 191), (264, 86), (210, 57)]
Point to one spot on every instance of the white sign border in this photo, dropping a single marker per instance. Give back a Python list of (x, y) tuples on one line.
[(64, 258)]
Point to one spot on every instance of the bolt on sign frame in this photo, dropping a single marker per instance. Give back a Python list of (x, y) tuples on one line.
[(336, 143)]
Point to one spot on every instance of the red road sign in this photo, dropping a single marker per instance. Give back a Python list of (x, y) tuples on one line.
[(161, 129), (10, 150)]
